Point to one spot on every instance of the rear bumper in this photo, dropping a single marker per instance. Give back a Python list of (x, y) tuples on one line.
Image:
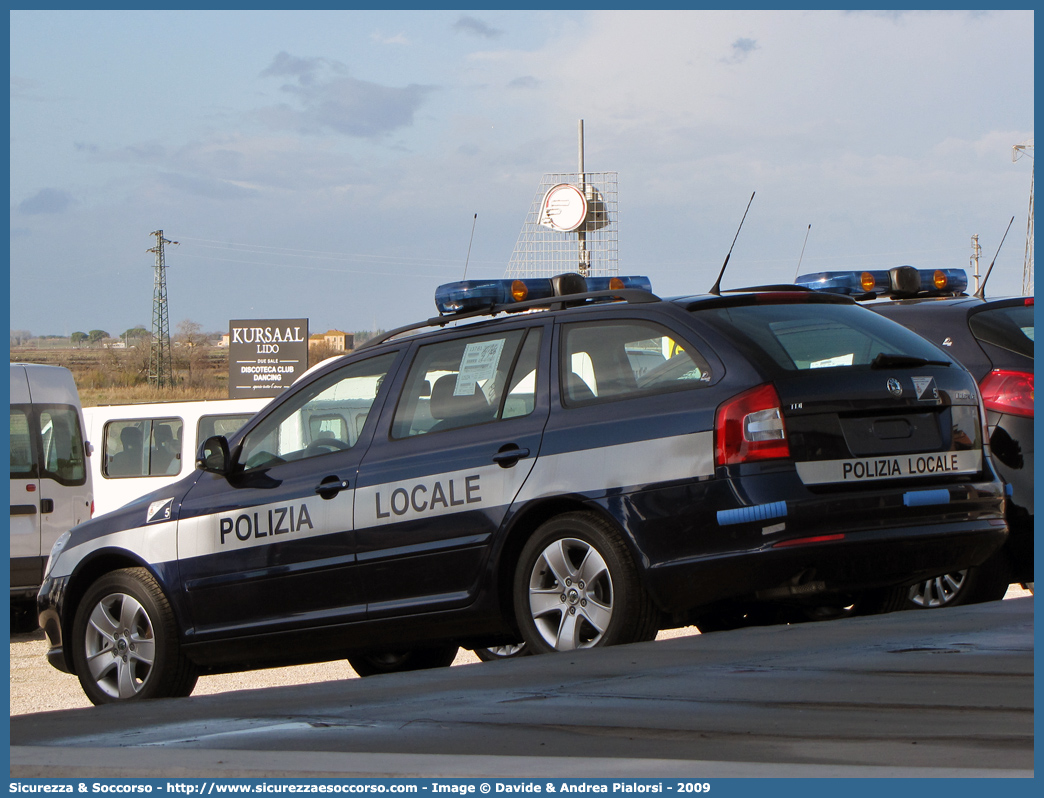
[(773, 534), (840, 563)]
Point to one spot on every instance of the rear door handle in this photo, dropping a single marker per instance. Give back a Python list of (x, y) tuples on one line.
[(331, 486), (509, 455)]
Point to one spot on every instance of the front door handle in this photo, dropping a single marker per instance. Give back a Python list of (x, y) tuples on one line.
[(508, 455), (331, 486)]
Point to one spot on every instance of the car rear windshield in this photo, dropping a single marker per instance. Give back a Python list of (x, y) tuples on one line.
[(796, 336), (1010, 327)]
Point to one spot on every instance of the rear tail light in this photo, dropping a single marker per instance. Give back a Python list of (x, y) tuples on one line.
[(750, 427), (1008, 392)]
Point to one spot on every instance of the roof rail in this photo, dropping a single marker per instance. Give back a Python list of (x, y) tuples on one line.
[(629, 295), (777, 287)]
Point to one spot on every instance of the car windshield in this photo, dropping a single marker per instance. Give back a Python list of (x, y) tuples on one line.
[(797, 336)]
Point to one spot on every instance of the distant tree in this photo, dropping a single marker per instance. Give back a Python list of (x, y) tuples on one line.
[(97, 335), (366, 335), (138, 333), (190, 334), (190, 355), (19, 337), (78, 338)]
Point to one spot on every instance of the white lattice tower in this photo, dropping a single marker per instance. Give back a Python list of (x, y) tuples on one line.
[(592, 249)]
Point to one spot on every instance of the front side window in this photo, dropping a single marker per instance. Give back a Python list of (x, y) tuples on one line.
[(61, 445), (326, 416), (603, 361), (142, 447), (469, 381)]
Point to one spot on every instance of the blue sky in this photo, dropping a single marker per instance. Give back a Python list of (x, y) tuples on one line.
[(328, 164)]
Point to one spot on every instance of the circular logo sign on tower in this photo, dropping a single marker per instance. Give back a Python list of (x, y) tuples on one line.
[(564, 208)]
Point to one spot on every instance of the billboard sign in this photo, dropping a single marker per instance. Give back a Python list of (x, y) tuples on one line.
[(265, 356)]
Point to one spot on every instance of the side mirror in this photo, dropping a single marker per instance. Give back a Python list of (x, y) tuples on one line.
[(214, 455)]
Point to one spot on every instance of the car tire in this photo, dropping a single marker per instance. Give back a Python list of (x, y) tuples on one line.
[(496, 653), (418, 659), (880, 601), (125, 644), (986, 582), (576, 586)]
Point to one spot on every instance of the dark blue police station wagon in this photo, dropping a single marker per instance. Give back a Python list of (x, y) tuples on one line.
[(583, 474)]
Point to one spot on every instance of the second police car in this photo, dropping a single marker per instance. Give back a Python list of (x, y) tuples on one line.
[(993, 339), (584, 474)]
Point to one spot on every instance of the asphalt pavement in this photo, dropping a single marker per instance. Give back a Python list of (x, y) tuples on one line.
[(940, 693)]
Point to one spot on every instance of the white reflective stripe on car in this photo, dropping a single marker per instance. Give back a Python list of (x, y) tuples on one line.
[(623, 465), (480, 488), (872, 469), (155, 543), (291, 519)]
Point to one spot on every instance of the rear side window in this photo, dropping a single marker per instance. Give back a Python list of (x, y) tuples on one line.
[(604, 361), (796, 337), (1010, 328), (46, 441), (22, 456), (61, 445), (142, 447), (225, 425), (469, 381)]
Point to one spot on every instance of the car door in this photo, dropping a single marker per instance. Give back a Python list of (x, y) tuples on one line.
[(25, 488), (448, 459), (633, 427), (272, 545), (50, 488)]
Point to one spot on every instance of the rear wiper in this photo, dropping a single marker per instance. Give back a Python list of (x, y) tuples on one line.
[(886, 361)]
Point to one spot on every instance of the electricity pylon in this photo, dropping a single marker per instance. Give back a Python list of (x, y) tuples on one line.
[(161, 371)]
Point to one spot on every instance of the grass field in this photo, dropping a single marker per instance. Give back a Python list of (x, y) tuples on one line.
[(109, 376)]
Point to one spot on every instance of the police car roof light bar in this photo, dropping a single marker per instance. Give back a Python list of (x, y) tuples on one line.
[(468, 295), (901, 281), (482, 299)]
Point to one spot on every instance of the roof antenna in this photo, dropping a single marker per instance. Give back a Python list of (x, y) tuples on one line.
[(473, 222), (981, 293), (716, 289), (802, 255)]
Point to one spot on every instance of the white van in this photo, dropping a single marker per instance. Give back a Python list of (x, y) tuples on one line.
[(142, 447), (51, 489)]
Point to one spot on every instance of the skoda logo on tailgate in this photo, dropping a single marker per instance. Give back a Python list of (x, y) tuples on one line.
[(894, 387)]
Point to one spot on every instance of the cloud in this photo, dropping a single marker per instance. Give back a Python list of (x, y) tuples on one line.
[(329, 99), (741, 48), (205, 187), (47, 200), (399, 38), (524, 82), (304, 69), (476, 27)]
